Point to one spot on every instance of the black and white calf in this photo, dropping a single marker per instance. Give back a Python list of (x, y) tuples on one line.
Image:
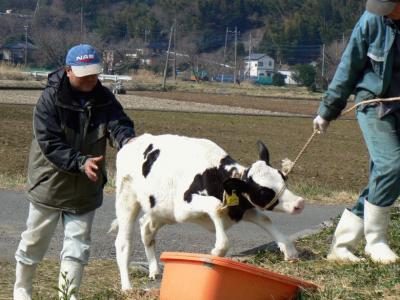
[(176, 179)]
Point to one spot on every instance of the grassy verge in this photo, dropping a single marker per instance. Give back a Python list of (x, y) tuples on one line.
[(244, 89), (365, 280), (100, 281)]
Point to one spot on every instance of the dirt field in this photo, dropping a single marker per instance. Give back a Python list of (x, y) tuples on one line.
[(295, 106), (334, 162)]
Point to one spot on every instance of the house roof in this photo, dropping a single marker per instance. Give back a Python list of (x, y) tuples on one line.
[(158, 45), (18, 45), (256, 56)]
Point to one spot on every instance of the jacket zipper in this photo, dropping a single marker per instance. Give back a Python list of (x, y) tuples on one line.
[(88, 115)]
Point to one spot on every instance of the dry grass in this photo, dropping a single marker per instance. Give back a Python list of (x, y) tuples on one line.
[(245, 89), (11, 72), (146, 80), (100, 281)]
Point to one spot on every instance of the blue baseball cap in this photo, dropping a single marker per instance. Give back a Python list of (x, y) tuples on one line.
[(83, 60)]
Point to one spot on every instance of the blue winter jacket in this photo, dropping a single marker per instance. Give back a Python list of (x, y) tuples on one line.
[(365, 68)]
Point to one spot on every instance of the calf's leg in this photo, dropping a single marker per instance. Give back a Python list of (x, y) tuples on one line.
[(148, 231), (201, 205), (127, 210), (284, 243)]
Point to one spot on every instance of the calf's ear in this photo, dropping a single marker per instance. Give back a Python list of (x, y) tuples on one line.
[(235, 184), (263, 152)]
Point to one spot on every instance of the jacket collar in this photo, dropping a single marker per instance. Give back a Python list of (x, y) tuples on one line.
[(70, 98)]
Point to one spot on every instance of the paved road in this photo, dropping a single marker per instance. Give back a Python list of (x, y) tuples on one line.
[(178, 237)]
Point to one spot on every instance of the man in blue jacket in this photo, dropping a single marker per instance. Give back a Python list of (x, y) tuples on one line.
[(370, 68), (72, 120)]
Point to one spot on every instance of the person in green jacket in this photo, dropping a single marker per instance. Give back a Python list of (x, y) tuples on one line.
[(370, 68), (72, 121)]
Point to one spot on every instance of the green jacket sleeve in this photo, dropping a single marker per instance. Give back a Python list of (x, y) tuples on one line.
[(348, 73), (120, 126)]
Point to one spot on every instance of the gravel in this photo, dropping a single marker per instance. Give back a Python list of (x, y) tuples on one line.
[(147, 103)]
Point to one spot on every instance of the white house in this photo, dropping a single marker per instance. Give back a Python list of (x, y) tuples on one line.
[(259, 65)]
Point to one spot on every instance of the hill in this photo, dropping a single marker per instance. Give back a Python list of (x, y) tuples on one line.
[(290, 31)]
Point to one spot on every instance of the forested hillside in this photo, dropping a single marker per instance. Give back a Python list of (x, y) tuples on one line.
[(289, 30)]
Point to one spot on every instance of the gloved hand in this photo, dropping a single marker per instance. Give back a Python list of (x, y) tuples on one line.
[(320, 124)]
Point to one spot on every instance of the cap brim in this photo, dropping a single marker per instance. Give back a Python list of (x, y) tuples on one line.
[(380, 8), (81, 71)]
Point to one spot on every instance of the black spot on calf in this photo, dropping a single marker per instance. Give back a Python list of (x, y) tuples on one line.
[(148, 149), (152, 201), (151, 158), (210, 181)]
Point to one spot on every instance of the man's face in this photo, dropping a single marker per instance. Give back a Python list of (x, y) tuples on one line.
[(82, 84), (395, 14)]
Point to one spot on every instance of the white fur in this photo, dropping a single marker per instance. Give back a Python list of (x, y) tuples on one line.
[(181, 159)]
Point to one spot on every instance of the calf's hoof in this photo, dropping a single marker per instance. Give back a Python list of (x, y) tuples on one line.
[(291, 255), (155, 276), (218, 252), (126, 287)]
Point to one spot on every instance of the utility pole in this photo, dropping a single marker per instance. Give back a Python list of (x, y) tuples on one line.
[(166, 61), (226, 42), (145, 36), (175, 49), (234, 74), (323, 62), (224, 60), (248, 61), (26, 44), (81, 24), (36, 9)]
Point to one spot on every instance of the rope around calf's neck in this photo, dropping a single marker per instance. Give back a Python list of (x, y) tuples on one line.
[(291, 165)]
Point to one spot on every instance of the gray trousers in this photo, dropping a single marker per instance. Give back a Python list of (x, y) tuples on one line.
[(41, 225)]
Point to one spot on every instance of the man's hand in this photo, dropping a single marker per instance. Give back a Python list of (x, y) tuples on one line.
[(320, 124), (92, 165)]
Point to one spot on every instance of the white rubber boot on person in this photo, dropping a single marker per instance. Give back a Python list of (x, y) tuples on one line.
[(23, 281), (348, 233), (376, 222), (69, 280)]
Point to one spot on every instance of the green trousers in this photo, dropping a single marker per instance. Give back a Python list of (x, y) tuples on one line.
[(382, 137)]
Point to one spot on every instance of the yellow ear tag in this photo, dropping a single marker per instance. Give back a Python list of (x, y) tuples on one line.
[(232, 200)]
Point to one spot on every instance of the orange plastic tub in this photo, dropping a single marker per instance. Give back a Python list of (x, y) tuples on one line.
[(191, 276)]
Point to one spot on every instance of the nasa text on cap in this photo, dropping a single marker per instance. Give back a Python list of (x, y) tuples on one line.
[(83, 60)]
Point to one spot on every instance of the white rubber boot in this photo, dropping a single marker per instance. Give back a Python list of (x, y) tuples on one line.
[(69, 280), (347, 235), (23, 281), (376, 221)]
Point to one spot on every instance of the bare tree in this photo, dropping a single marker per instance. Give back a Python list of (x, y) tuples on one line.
[(327, 66), (53, 45)]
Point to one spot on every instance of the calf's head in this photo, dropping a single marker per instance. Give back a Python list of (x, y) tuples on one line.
[(265, 187)]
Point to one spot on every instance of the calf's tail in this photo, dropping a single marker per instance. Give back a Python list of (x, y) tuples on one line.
[(114, 226)]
